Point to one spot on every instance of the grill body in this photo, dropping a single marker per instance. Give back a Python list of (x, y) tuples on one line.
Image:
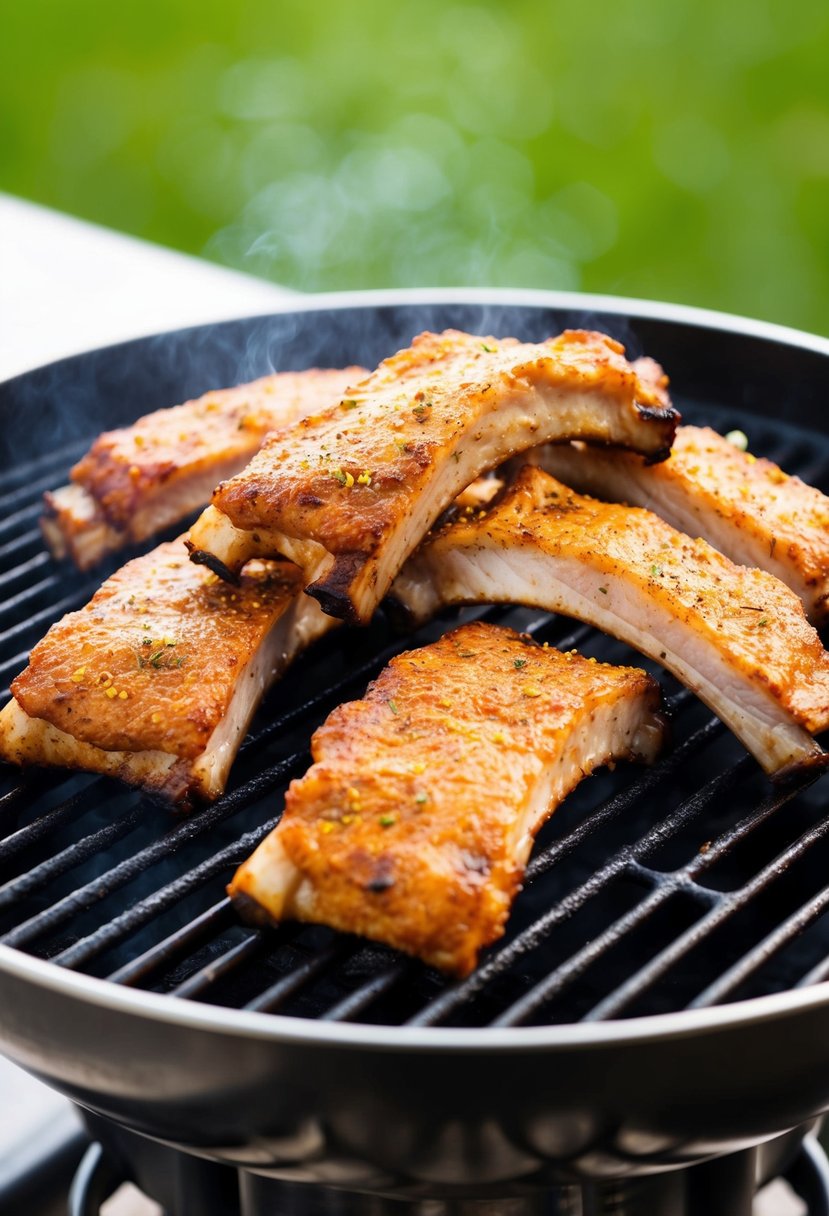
[(647, 1009)]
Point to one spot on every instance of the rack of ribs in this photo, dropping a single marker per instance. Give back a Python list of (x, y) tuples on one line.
[(348, 494)]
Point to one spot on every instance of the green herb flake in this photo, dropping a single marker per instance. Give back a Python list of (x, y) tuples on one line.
[(519, 663), (393, 707), (386, 821), (421, 796), (763, 621), (656, 571), (349, 403), (490, 350)]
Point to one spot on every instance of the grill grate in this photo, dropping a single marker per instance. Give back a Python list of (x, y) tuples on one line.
[(685, 885)]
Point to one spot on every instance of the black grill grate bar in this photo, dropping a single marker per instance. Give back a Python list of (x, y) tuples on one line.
[(770, 945), (619, 803), (46, 615), (817, 974), (25, 884), (23, 516), (32, 537), (28, 593), (28, 490), (358, 1001), (56, 459), (83, 800), (661, 963), (153, 905), (27, 786), (568, 972), (191, 828), (200, 981), (302, 975), (599, 880), (754, 958), (23, 569), (668, 885), (164, 952)]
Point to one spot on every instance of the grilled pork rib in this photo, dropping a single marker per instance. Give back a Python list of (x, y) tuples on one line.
[(749, 509), (737, 637), (414, 824), (137, 480), (349, 494), (156, 680)]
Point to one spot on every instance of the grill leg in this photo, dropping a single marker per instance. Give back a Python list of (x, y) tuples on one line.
[(725, 1186)]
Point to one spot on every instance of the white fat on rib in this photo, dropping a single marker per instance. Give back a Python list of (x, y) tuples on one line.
[(621, 477), (300, 625)]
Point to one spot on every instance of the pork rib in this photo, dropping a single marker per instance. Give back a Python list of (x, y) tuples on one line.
[(749, 509), (137, 480), (736, 636), (414, 824), (349, 494), (156, 680)]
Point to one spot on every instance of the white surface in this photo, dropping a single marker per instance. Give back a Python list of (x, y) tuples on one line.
[(67, 286)]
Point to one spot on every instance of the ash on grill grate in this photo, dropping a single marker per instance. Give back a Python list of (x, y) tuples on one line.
[(687, 884)]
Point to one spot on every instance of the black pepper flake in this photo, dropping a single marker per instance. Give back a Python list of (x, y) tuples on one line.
[(379, 884)]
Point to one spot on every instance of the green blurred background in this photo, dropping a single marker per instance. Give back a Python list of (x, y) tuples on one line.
[(652, 148)]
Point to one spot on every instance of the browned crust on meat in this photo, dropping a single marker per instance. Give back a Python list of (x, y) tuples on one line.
[(349, 479), (169, 638), (746, 614), (747, 507), (407, 827), (127, 469)]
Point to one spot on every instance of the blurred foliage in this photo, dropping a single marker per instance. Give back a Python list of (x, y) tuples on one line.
[(653, 148)]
